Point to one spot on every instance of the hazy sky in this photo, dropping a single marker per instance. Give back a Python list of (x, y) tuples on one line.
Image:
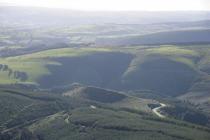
[(116, 5)]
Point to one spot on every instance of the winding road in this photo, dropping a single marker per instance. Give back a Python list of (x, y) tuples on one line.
[(156, 110)]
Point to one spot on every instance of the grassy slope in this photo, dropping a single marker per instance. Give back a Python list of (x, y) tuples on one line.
[(107, 124), (35, 64), (189, 61), (168, 64), (54, 117), (110, 98)]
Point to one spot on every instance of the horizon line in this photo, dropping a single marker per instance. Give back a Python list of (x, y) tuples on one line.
[(93, 10)]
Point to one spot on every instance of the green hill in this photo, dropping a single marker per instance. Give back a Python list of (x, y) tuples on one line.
[(110, 98), (47, 116), (166, 71)]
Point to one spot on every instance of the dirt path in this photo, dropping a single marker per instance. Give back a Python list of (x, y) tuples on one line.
[(157, 109)]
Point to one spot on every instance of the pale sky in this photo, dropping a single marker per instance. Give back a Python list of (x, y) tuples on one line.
[(116, 5)]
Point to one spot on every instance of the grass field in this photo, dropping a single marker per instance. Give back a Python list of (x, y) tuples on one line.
[(35, 64)]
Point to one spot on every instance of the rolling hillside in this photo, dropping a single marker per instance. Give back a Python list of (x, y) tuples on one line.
[(52, 117), (167, 70), (110, 98), (85, 75), (160, 38)]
